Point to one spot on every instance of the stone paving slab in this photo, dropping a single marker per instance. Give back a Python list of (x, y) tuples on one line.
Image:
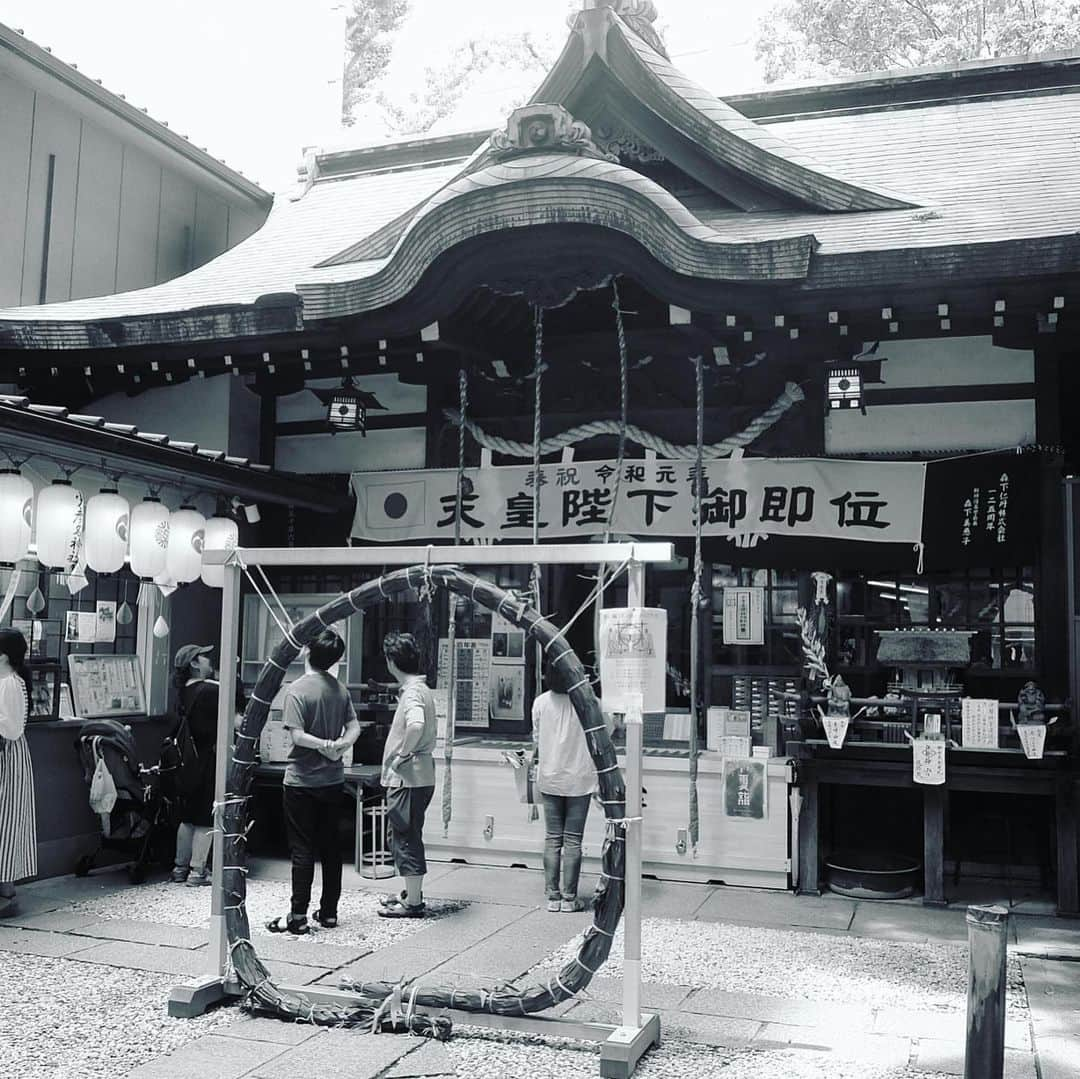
[(799, 1013), (1046, 937), (33, 942), (387, 965), (942, 1026), (259, 1029), (342, 1054), (167, 936), (52, 920), (308, 951), (122, 953), (432, 1058), (1059, 1056), (704, 1029), (653, 994), (664, 899), (453, 934), (738, 906), (910, 924), (947, 1058), (521, 887), (209, 1057)]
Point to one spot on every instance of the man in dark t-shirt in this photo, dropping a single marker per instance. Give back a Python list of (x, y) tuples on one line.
[(320, 718)]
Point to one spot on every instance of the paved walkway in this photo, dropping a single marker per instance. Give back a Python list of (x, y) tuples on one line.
[(502, 932)]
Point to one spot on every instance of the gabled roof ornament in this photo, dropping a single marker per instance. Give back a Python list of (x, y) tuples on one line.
[(545, 129), (639, 15)]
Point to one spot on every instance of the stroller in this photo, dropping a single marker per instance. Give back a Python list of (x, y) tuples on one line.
[(138, 821)]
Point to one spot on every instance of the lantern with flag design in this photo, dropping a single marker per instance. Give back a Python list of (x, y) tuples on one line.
[(16, 515), (222, 534), (149, 532), (107, 515), (60, 526), (187, 533), (347, 406)]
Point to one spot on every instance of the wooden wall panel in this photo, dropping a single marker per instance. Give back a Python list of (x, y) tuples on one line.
[(97, 214), (140, 198), (56, 131), (16, 127), (176, 233)]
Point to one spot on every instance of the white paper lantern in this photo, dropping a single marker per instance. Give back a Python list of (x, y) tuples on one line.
[(187, 533), (222, 534), (107, 516), (149, 532), (59, 526), (16, 515)]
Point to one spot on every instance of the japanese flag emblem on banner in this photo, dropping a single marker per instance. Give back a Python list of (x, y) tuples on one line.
[(389, 507)]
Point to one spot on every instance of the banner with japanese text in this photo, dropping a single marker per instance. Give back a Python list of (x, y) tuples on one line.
[(852, 500)]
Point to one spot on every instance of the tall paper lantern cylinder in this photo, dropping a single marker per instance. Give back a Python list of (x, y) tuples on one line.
[(187, 533), (149, 533), (16, 515), (222, 534), (107, 516), (59, 525)]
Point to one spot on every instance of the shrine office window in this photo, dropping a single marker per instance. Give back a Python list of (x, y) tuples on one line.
[(782, 647), (996, 606)]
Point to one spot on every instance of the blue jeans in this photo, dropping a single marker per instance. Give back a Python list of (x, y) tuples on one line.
[(564, 825)]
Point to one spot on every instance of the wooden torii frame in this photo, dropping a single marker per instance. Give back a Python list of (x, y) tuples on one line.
[(622, 1046)]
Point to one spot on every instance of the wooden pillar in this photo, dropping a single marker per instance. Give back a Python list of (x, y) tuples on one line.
[(809, 824), (935, 800), (1068, 890)]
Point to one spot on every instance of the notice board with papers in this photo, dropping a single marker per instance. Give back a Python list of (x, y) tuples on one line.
[(106, 686)]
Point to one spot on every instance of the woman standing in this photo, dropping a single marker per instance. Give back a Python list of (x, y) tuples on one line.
[(18, 822), (566, 778), (196, 738)]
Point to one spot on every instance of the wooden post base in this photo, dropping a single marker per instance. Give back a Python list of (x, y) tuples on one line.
[(190, 999), (625, 1046)]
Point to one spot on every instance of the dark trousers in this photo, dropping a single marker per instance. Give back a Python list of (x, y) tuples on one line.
[(312, 816), (405, 809), (564, 824)]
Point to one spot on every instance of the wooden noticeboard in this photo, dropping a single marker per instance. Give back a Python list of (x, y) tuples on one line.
[(106, 686)]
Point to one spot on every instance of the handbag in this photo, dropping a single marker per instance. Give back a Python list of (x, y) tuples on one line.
[(524, 776)]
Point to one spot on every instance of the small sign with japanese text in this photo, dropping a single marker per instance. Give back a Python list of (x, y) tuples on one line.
[(746, 789), (744, 616)]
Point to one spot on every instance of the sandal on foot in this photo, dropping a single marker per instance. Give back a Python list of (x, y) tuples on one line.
[(328, 921), (393, 900), (297, 926), (402, 910)]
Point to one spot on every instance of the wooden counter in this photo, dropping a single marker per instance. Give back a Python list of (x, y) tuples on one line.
[(737, 852)]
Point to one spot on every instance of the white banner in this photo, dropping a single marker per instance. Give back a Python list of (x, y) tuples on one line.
[(860, 500)]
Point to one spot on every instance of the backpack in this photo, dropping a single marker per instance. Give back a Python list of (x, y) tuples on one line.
[(179, 763)]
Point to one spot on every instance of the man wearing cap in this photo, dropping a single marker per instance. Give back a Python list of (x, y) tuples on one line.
[(196, 742)]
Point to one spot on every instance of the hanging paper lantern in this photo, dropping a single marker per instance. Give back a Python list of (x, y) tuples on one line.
[(161, 627), (149, 532), (16, 515), (106, 531), (222, 534), (59, 526), (187, 533), (35, 603)]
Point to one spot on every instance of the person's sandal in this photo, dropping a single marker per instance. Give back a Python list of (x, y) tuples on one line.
[(402, 910), (386, 901), (327, 922), (297, 926)]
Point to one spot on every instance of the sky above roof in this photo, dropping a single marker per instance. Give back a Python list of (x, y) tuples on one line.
[(256, 81)]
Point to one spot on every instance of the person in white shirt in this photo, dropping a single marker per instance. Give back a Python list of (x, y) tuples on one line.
[(566, 780), (18, 829)]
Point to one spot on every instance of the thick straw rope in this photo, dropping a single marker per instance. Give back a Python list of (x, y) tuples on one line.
[(791, 396), (363, 1011)]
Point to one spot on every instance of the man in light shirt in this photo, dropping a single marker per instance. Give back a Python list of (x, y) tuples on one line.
[(408, 773)]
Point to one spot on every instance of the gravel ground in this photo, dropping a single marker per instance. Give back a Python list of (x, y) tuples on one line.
[(65, 1020), (803, 966), (174, 904)]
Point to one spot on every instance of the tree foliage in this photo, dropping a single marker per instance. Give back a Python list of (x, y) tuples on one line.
[(801, 39), (369, 44)]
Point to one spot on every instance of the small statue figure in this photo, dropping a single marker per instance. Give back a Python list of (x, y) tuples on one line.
[(1031, 705), (839, 702)]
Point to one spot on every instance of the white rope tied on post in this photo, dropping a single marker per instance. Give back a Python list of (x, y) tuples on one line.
[(538, 372), (451, 632), (695, 606), (793, 394)]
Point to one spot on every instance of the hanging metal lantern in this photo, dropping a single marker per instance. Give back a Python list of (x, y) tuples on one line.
[(16, 515), (107, 518), (347, 407), (149, 533), (59, 525), (187, 533), (222, 534)]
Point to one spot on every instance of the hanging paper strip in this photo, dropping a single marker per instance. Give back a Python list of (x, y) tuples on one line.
[(836, 728), (1033, 739), (9, 595), (928, 761)]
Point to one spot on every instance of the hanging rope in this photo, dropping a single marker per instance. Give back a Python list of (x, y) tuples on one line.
[(451, 632), (624, 394), (793, 394), (538, 373), (695, 607)]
